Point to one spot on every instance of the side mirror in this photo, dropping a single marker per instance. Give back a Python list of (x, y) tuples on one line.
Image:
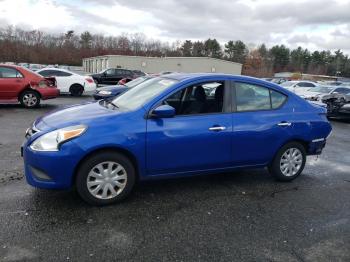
[(163, 111), (335, 92)]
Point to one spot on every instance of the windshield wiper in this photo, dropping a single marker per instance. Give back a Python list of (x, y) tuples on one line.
[(115, 105)]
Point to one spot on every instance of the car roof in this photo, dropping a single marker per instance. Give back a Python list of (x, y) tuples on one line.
[(57, 69), (188, 76), (12, 66)]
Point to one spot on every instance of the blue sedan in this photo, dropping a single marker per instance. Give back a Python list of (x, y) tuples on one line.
[(171, 126), (110, 92)]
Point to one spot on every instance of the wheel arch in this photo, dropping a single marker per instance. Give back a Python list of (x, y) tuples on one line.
[(28, 88), (303, 142), (114, 149), (76, 84)]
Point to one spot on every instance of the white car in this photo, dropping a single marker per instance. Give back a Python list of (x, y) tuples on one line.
[(316, 93), (69, 82), (298, 86)]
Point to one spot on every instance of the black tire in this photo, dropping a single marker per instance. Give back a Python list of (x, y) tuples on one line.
[(29, 99), (276, 166), (76, 90), (90, 163)]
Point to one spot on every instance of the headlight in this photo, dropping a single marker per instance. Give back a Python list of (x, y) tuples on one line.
[(52, 141), (105, 92)]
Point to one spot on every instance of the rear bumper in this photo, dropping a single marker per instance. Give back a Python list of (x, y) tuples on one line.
[(316, 146), (89, 87), (48, 93)]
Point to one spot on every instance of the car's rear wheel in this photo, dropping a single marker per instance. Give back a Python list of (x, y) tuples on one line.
[(29, 99), (289, 162), (105, 178), (76, 90)]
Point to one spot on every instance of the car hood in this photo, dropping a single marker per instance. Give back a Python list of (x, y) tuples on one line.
[(73, 115), (112, 88)]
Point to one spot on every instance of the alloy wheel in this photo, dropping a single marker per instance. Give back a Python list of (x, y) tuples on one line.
[(30, 100)]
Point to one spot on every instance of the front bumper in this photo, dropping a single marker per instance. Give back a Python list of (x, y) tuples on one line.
[(51, 170)]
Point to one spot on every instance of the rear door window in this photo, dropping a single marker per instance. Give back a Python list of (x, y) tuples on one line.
[(251, 97), (6, 72)]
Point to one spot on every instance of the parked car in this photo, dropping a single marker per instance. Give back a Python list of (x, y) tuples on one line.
[(69, 82), (298, 86), (278, 80), (109, 92), (111, 76), (169, 127), (138, 73), (35, 67), (18, 84), (338, 105), (316, 93)]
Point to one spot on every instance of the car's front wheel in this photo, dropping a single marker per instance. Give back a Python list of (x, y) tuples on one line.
[(289, 162), (105, 178)]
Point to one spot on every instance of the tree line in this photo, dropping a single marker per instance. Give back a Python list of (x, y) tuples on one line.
[(18, 45)]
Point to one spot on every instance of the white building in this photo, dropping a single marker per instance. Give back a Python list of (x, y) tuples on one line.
[(159, 64)]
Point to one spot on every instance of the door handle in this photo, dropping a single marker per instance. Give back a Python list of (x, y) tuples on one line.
[(284, 123), (217, 128)]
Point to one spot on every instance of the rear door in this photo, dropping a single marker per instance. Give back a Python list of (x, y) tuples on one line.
[(262, 122), (11, 82), (197, 138)]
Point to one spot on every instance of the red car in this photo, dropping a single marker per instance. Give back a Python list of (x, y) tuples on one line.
[(123, 81), (18, 84)]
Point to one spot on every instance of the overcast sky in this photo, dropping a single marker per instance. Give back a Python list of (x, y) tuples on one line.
[(315, 24)]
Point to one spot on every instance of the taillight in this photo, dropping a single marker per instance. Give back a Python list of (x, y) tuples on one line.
[(89, 80), (43, 84)]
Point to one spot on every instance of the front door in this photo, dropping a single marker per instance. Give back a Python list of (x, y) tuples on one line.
[(198, 137), (11, 82)]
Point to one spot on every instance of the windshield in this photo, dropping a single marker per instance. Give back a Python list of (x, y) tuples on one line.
[(136, 82), (142, 93), (287, 83), (322, 89)]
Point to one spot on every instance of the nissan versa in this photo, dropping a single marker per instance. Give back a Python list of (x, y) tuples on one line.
[(169, 126)]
